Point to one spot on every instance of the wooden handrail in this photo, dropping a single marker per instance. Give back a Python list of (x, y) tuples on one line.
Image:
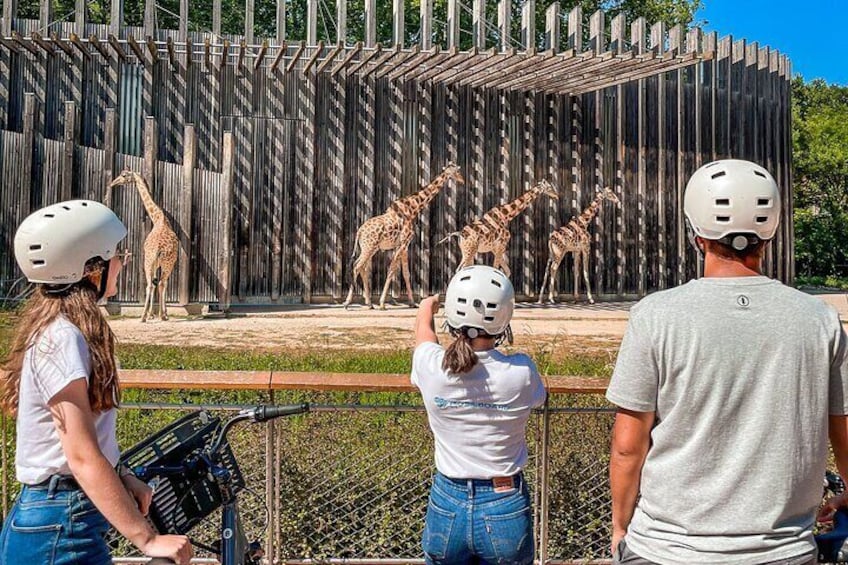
[(279, 380)]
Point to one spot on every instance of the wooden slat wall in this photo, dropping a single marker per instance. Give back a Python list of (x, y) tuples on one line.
[(317, 154)]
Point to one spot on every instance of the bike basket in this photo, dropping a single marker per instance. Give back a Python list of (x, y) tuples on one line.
[(181, 500)]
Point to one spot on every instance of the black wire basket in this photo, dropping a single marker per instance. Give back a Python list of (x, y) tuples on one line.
[(182, 500)]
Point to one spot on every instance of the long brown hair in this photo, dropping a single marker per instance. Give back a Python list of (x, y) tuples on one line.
[(78, 304), (459, 357)]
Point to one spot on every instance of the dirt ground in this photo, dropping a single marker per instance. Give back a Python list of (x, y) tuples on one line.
[(582, 326)]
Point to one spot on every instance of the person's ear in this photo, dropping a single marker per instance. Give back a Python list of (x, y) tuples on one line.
[(699, 241)]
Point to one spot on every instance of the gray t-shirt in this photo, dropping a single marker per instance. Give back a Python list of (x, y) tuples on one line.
[(741, 373)]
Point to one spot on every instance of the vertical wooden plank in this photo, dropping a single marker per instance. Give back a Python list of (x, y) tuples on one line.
[(341, 22), (552, 27), (249, 11), (70, 140), (45, 14), (110, 141), (528, 264), (638, 30), (80, 17), (575, 28), (186, 212), (216, 17), (658, 45), (312, 21), (150, 157), (597, 43), (150, 17), (453, 23), (425, 139), (306, 180), (478, 23), (528, 24), (370, 23), (10, 12), (677, 45), (504, 23), (618, 28), (736, 114), (224, 290), (427, 24), (693, 44), (183, 29), (398, 30), (337, 177), (27, 154), (280, 16)]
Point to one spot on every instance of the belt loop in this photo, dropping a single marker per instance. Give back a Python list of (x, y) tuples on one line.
[(470, 484), (51, 487)]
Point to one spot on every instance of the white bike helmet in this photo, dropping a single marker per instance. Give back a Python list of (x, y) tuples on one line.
[(479, 298), (737, 202), (53, 244)]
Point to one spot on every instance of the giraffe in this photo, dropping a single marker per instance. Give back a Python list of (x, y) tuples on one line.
[(393, 230), (573, 238), (491, 232), (160, 245)]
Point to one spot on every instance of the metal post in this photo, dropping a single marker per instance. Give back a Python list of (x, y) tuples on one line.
[(544, 485)]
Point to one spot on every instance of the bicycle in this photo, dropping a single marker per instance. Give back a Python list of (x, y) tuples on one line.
[(193, 472)]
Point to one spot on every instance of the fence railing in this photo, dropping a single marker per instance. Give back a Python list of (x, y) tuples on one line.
[(349, 481)]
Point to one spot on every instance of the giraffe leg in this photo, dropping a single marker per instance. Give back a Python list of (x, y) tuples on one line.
[(544, 281), (148, 301), (586, 277), (163, 307), (576, 274), (406, 278), (361, 269), (366, 284), (394, 267), (552, 287)]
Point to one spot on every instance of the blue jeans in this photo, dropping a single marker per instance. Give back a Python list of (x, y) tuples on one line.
[(468, 522), (48, 527)]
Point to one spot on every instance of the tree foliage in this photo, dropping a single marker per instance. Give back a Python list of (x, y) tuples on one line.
[(820, 143), (671, 12)]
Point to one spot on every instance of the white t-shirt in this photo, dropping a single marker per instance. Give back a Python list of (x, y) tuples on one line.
[(57, 358), (478, 418)]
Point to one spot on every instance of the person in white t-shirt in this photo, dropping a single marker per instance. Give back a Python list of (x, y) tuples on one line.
[(478, 401), (60, 382)]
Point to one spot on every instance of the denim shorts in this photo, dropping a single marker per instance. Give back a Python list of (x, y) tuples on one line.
[(468, 522), (54, 527)]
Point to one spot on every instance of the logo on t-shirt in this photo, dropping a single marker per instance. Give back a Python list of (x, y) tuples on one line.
[(445, 403), (743, 301)]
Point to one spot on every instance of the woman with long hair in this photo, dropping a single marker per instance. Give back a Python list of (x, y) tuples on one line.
[(60, 383), (478, 401)]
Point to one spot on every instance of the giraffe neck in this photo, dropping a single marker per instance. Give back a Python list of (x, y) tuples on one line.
[(155, 212), (411, 206), (511, 209), (590, 212)]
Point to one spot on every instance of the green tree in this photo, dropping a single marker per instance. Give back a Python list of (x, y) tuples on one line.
[(820, 145)]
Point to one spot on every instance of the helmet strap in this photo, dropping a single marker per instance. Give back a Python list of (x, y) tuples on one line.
[(740, 241)]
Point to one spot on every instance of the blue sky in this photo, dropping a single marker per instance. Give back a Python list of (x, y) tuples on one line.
[(811, 32)]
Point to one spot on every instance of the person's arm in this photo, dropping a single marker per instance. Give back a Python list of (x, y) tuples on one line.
[(838, 420), (74, 423), (631, 438), (425, 328), (838, 432)]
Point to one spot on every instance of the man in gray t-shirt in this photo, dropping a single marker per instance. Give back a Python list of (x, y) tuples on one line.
[(727, 388)]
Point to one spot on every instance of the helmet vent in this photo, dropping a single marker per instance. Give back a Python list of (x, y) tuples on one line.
[(718, 174), (759, 174), (491, 306), (84, 203), (489, 318), (35, 247), (763, 201), (460, 313), (466, 278), (722, 202), (762, 219), (496, 283), (462, 300), (38, 262), (723, 219), (66, 208), (49, 215)]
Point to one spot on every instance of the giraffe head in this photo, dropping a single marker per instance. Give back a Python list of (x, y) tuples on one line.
[(608, 194), (126, 177), (546, 188), (451, 171)]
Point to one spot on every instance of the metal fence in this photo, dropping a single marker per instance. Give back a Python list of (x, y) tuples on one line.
[(350, 482)]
